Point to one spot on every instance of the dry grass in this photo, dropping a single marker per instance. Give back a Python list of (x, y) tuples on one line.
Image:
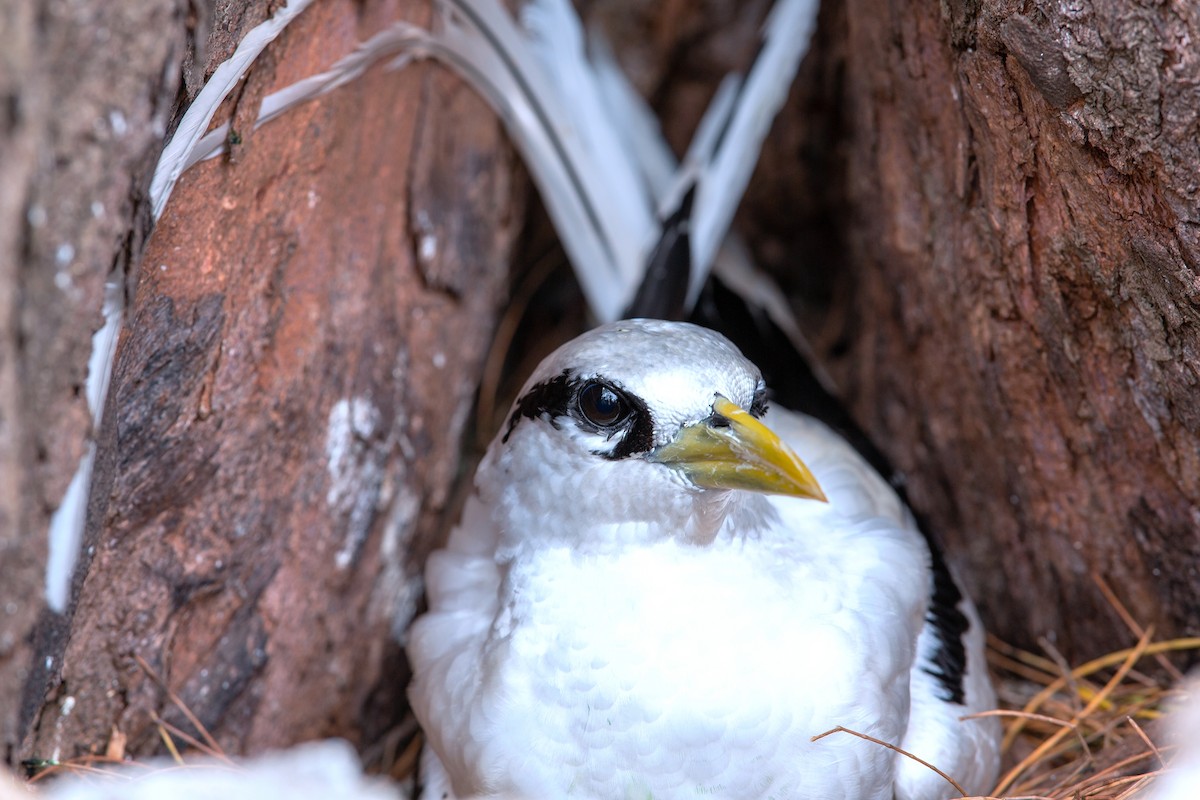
[(1083, 733)]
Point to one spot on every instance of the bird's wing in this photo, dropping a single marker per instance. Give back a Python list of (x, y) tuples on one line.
[(948, 679), (967, 750), (445, 645), (433, 780)]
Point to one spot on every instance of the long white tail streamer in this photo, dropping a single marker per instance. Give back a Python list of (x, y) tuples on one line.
[(611, 177), (723, 165), (175, 156)]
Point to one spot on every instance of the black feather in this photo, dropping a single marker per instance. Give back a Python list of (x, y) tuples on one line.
[(664, 287), (945, 614), (550, 400)]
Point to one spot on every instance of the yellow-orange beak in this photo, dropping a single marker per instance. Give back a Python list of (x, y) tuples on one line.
[(733, 450)]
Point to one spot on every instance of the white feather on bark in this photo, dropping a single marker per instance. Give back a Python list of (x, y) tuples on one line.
[(67, 521), (195, 121), (401, 39)]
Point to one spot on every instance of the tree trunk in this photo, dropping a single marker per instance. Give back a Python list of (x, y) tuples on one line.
[(1014, 311), (296, 369), (85, 90)]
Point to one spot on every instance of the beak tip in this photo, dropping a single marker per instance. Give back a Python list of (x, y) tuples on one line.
[(809, 489)]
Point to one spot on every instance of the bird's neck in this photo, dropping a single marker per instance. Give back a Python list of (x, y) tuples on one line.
[(710, 518)]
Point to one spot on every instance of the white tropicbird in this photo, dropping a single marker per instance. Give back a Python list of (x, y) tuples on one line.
[(644, 599)]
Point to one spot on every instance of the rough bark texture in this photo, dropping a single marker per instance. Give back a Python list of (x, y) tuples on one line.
[(297, 366), (1015, 316), (1033, 240), (85, 92)]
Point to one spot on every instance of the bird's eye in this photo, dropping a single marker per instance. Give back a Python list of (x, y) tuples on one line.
[(601, 405)]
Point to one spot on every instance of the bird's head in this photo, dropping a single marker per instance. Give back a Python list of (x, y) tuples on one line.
[(636, 431)]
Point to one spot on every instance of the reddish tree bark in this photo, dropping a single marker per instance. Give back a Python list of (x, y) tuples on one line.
[(292, 384)]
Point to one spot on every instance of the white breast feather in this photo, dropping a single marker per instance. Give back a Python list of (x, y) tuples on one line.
[(586, 649)]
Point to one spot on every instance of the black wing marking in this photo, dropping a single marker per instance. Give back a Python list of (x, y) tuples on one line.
[(950, 624), (664, 287)]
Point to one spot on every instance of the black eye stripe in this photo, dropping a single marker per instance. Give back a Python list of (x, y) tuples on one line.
[(550, 399), (557, 401)]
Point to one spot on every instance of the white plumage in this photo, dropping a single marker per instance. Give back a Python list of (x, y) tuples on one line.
[(1181, 779), (602, 625)]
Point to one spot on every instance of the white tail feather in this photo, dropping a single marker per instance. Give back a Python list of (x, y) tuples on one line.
[(399, 38), (174, 158), (479, 38), (634, 122), (66, 523), (786, 35), (610, 176), (666, 181)]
